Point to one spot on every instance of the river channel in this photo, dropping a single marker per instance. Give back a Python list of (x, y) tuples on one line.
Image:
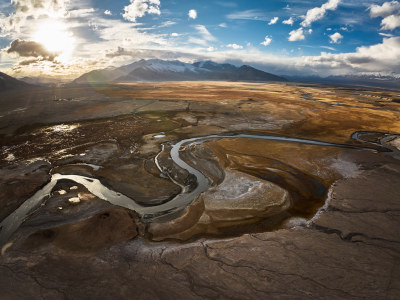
[(148, 213)]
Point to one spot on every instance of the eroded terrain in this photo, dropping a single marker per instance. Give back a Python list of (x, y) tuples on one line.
[(270, 186)]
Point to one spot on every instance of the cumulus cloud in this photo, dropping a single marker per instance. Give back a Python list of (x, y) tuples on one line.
[(266, 41), (296, 35), (336, 38), (24, 9), (30, 49), (390, 22), (235, 46), (389, 11), (138, 8), (314, 14), (317, 13), (174, 34), (108, 12), (384, 10), (289, 21), (273, 21), (192, 14), (383, 57)]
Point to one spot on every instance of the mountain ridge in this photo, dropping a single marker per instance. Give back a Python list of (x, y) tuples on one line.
[(162, 70), (10, 83)]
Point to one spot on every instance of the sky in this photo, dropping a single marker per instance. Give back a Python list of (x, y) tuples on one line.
[(66, 38)]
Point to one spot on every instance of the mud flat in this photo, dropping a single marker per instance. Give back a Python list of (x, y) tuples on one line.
[(209, 190)]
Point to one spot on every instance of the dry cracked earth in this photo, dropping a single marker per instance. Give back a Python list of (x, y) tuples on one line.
[(312, 211)]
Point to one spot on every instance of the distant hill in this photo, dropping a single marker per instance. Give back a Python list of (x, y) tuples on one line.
[(43, 81), (389, 82), (161, 70), (11, 83)]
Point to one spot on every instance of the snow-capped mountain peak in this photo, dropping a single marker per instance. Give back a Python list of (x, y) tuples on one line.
[(174, 70)]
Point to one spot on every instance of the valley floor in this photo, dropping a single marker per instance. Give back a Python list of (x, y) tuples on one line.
[(301, 199)]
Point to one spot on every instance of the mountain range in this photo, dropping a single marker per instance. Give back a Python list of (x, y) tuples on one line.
[(10, 83), (161, 70), (388, 82)]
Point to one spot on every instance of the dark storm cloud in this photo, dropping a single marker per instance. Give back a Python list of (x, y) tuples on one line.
[(30, 49)]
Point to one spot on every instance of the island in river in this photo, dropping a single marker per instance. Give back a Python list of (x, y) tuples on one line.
[(200, 190)]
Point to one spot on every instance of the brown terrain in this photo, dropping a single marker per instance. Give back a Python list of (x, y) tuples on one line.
[(310, 211)]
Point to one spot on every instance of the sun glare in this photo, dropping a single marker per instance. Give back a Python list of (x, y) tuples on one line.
[(55, 37)]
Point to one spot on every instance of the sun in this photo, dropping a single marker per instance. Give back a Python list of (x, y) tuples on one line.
[(55, 37)]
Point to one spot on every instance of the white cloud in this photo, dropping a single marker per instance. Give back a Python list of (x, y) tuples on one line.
[(166, 24), (81, 13), (251, 14), (384, 10), (289, 21), (296, 35), (24, 9), (192, 14), (114, 33), (384, 57), (111, 33), (390, 22), (386, 34), (235, 46), (223, 25), (267, 41), (336, 38), (174, 34), (108, 12), (389, 11), (329, 48), (138, 8), (206, 35), (198, 41), (317, 13), (273, 21)]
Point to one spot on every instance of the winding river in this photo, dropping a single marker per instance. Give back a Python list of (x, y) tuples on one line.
[(148, 213)]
